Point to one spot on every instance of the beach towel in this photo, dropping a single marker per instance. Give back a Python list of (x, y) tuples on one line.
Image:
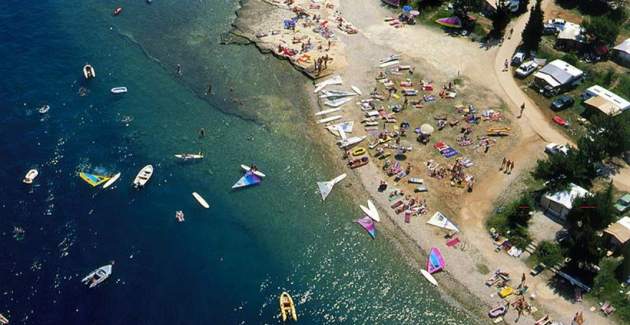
[(449, 152), (453, 242)]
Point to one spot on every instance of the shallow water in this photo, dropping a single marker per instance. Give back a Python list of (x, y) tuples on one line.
[(224, 265)]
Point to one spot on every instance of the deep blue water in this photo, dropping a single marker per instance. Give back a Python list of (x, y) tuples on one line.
[(224, 265)]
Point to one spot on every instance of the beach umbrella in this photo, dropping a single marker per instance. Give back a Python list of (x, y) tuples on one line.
[(407, 8), (453, 22), (426, 129)]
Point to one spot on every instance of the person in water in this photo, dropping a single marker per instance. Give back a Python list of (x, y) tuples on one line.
[(253, 168), (209, 92), (202, 132)]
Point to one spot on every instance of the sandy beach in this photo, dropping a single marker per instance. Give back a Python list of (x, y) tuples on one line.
[(479, 81)]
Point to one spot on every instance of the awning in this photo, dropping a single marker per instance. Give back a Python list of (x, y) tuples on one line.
[(547, 78), (603, 105)]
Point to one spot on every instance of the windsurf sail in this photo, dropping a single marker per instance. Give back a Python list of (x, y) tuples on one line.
[(326, 187), (435, 262), (92, 179), (440, 220), (249, 179), (368, 224), (452, 22)]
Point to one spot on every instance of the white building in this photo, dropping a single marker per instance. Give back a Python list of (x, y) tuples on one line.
[(606, 101), (557, 75), (560, 203), (621, 53)]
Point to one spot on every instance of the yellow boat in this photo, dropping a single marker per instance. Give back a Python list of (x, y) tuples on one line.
[(287, 307), (358, 151), (506, 292)]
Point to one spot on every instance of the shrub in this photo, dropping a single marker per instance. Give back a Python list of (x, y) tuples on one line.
[(548, 253)]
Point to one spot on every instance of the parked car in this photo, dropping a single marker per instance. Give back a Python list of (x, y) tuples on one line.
[(623, 204), (518, 58), (526, 69), (553, 148), (537, 269), (562, 102), (557, 23), (549, 29)]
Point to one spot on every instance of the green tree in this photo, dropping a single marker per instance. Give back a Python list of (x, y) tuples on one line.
[(603, 28), (589, 216), (559, 170), (548, 253), (608, 136), (500, 20), (532, 34)]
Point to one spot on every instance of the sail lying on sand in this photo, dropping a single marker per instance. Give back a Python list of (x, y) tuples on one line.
[(440, 220), (368, 224), (435, 261), (326, 187)]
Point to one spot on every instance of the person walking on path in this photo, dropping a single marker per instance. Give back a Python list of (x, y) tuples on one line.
[(507, 166), (522, 109), (511, 166), (503, 164), (505, 65)]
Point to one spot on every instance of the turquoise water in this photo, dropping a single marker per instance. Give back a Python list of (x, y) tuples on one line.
[(224, 265)]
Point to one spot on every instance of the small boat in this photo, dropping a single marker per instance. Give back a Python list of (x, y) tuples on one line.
[(327, 111), (329, 119), (255, 171), (435, 261), (189, 156), (359, 151), (357, 90), (30, 176), (391, 57), (560, 121), (179, 215), (143, 176), (249, 179), (356, 163), (119, 90), (44, 109), (111, 181), (335, 80), (371, 211), (97, 276), (499, 310), (506, 292), (93, 179), (287, 307), (337, 102), (368, 224), (201, 200), (88, 72), (388, 64), (429, 277), (117, 11), (326, 187), (3, 320)]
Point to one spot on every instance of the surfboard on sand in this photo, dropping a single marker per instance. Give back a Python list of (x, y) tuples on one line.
[(429, 277)]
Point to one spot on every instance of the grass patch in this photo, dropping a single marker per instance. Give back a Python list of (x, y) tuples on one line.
[(482, 268)]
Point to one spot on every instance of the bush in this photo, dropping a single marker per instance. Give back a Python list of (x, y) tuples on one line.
[(512, 221), (570, 58), (606, 287), (548, 253), (603, 28)]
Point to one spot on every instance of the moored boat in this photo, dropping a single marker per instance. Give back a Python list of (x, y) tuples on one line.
[(189, 156), (88, 71), (117, 11), (356, 163), (143, 176), (119, 90), (44, 109), (287, 307), (30, 176), (97, 276)]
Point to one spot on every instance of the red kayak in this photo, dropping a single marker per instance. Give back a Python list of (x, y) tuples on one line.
[(560, 121), (117, 11)]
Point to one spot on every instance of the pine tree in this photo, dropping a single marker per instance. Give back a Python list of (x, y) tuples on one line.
[(532, 34)]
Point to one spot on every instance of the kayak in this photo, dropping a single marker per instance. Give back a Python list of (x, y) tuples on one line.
[(189, 156), (200, 200), (30, 176), (287, 307), (256, 172), (119, 90), (111, 181), (429, 277)]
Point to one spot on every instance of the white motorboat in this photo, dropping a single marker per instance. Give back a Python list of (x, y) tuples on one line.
[(143, 176), (189, 156), (30, 176), (111, 181), (44, 109), (119, 90), (88, 72), (97, 276)]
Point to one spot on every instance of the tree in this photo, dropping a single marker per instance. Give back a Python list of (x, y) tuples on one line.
[(560, 170), (522, 7), (500, 20), (548, 253), (589, 215), (603, 29), (608, 136), (532, 34)]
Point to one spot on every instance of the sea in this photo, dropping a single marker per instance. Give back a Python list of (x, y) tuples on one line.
[(223, 265)]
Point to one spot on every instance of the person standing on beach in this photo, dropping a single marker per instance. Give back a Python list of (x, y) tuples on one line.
[(503, 164), (522, 109), (202, 132), (507, 166), (511, 166), (505, 65)]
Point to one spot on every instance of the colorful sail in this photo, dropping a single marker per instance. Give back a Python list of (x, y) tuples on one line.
[(368, 224), (248, 179), (92, 179), (435, 261), (452, 22)]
